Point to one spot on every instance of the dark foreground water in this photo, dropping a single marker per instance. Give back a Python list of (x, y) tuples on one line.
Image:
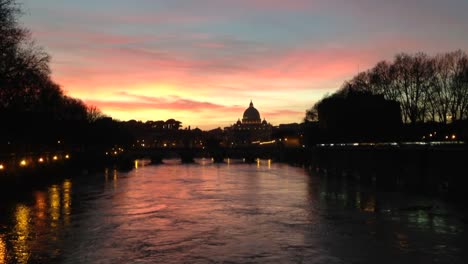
[(237, 213)]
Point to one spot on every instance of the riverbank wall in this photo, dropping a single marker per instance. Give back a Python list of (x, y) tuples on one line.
[(428, 169)]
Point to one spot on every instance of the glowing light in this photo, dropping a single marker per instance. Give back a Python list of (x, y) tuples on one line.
[(2, 167), (454, 136), (41, 160), (67, 156), (55, 158), (23, 163), (115, 152), (136, 164), (266, 142), (58, 142)]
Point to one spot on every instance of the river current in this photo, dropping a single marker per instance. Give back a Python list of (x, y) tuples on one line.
[(226, 213)]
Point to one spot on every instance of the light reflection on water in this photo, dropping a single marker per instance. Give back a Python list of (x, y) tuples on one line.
[(35, 227), (202, 213), (21, 244), (3, 252)]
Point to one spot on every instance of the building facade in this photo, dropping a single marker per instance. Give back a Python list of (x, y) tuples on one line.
[(250, 130)]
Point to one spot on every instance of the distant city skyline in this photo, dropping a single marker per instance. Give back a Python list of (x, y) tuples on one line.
[(201, 62)]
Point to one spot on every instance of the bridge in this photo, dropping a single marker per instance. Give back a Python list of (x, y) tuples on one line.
[(248, 154), (428, 166)]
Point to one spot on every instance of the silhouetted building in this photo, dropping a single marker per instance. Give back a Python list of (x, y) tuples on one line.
[(289, 135), (359, 116), (250, 130)]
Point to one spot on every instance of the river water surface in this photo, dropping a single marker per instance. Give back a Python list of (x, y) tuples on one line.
[(230, 213)]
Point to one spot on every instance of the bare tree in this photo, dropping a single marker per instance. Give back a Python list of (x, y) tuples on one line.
[(427, 88), (459, 86), (311, 114), (450, 87), (382, 80), (94, 113), (442, 88), (23, 65)]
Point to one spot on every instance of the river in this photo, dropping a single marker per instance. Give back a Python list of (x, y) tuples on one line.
[(230, 213)]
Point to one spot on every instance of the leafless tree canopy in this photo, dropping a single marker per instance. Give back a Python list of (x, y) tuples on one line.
[(25, 83), (427, 88)]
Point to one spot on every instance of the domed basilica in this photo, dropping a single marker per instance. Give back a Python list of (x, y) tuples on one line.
[(251, 129)]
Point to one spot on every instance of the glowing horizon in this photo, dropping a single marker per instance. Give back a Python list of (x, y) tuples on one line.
[(201, 62)]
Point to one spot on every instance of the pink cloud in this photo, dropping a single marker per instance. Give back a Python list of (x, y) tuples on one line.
[(270, 70), (282, 113), (87, 37), (140, 102), (163, 18), (106, 59), (280, 4)]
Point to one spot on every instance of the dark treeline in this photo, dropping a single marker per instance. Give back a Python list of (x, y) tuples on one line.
[(25, 83), (429, 90), (35, 113)]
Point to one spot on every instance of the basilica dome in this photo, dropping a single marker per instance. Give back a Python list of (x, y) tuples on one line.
[(251, 115)]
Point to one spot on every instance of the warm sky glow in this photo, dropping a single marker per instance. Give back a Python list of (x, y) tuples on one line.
[(201, 61)]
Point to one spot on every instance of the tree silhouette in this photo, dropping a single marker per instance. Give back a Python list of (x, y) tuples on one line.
[(29, 97), (427, 88), (94, 114), (23, 65)]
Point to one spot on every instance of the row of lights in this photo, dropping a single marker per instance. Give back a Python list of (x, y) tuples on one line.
[(115, 151), (448, 137), (24, 162)]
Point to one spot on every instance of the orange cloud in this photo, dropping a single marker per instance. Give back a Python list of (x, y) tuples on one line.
[(141, 102)]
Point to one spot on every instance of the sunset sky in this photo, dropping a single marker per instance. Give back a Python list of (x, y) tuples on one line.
[(202, 61)]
